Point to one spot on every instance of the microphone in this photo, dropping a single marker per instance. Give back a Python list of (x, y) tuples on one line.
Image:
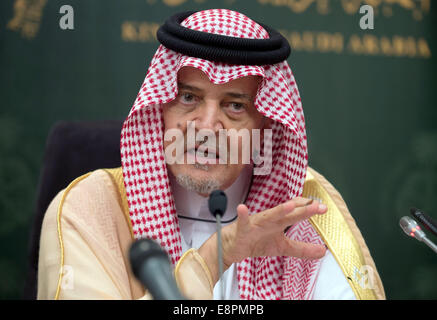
[(412, 229), (217, 204), (426, 220), (151, 265)]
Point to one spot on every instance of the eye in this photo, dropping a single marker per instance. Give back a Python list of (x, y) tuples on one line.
[(187, 98), (236, 107)]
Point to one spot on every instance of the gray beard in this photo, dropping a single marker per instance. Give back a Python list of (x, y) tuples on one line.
[(199, 186)]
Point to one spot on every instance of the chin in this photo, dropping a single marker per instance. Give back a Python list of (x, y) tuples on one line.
[(224, 175), (205, 171)]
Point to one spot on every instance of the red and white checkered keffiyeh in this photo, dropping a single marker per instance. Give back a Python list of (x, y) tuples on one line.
[(151, 204)]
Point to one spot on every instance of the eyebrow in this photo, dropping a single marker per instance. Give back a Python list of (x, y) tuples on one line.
[(236, 95), (239, 95), (184, 86)]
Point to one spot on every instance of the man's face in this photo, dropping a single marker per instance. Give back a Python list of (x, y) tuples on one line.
[(209, 107)]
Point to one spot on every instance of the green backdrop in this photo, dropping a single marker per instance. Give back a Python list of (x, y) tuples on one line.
[(368, 96)]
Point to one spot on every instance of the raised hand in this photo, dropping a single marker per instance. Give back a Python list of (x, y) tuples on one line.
[(262, 234)]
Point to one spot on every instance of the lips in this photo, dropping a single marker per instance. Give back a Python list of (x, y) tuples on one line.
[(207, 153)]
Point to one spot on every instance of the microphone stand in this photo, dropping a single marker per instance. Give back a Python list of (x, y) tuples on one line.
[(219, 255), (430, 244), (217, 204)]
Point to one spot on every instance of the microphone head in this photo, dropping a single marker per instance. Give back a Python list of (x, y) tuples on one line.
[(142, 250), (217, 203), (411, 228)]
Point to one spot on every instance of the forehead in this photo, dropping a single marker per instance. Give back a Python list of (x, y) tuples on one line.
[(197, 78)]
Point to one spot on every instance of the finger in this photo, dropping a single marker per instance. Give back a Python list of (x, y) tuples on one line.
[(287, 207), (243, 216), (301, 201), (304, 250), (280, 211), (305, 202), (303, 213)]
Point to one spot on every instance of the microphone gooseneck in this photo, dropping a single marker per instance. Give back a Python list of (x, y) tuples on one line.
[(412, 229), (217, 204), (151, 265)]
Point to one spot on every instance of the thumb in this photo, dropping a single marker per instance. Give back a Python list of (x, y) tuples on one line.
[(243, 216)]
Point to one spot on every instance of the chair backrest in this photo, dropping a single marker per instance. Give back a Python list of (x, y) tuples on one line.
[(72, 149)]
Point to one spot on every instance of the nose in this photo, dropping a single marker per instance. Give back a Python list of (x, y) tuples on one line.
[(209, 116)]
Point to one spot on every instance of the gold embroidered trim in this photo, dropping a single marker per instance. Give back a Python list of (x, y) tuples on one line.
[(117, 177), (200, 260), (337, 235), (58, 221)]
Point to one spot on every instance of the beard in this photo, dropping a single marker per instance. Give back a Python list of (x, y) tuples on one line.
[(200, 186)]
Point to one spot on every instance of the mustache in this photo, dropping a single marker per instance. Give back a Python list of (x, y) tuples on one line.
[(207, 144)]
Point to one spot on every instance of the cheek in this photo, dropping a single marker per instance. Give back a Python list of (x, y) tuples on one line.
[(170, 119), (231, 174), (170, 123), (175, 117)]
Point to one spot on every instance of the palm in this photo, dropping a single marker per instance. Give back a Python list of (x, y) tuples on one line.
[(262, 234)]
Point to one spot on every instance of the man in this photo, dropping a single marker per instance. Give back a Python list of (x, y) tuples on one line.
[(217, 72)]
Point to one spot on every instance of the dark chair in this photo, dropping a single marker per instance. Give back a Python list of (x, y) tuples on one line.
[(72, 149)]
